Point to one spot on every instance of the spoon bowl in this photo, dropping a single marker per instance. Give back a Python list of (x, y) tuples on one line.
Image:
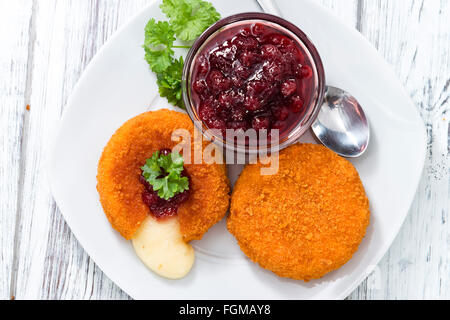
[(341, 124)]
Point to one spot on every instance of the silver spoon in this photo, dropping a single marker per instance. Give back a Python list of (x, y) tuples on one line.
[(341, 124)]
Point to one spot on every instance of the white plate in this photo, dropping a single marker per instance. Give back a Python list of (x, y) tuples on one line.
[(117, 85)]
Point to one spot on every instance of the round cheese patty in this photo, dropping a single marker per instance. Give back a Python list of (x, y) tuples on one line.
[(120, 167), (304, 221)]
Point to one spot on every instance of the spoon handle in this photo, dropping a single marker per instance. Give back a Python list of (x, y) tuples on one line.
[(269, 6)]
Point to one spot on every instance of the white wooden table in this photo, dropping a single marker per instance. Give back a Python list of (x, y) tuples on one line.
[(45, 46)]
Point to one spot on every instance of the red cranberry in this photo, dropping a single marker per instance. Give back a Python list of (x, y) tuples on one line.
[(219, 62), (228, 52), (181, 197), (214, 76), (206, 111), (165, 151), (296, 104), (241, 71), (237, 81), (246, 32), (282, 113), (149, 198), (246, 43), (288, 87), (290, 50), (289, 64), (306, 72), (217, 124), (218, 82), (273, 71), (200, 86), (239, 98), (256, 87), (280, 40), (248, 58), (251, 103), (269, 51), (226, 99), (258, 29), (225, 84), (203, 65), (238, 114), (260, 122)]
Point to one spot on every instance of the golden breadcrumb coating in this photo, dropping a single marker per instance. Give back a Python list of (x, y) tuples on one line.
[(119, 170), (306, 220)]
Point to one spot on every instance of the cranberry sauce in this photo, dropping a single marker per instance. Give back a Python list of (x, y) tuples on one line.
[(161, 208), (252, 76)]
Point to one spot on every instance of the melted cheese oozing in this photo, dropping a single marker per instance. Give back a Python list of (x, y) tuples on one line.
[(161, 248)]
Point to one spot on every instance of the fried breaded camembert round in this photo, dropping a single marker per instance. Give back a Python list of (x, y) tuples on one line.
[(120, 167), (304, 221)]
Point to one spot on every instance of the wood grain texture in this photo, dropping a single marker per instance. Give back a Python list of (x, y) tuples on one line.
[(414, 37), (14, 89), (50, 262), (49, 44)]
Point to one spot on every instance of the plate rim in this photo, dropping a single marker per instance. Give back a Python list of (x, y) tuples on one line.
[(98, 56)]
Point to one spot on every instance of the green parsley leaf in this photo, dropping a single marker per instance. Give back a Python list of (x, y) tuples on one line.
[(159, 33), (189, 18), (159, 38), (163, 173), (169, 83), (158, 60), (151, 169)]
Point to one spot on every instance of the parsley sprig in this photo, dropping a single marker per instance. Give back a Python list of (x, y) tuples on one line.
[(187, 20), (163, 173)]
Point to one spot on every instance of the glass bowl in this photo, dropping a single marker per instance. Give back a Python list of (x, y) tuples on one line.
[(312, 108)]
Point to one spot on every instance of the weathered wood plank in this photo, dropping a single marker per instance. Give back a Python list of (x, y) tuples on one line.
[(51, 262), (414, 37), (15, 20)]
